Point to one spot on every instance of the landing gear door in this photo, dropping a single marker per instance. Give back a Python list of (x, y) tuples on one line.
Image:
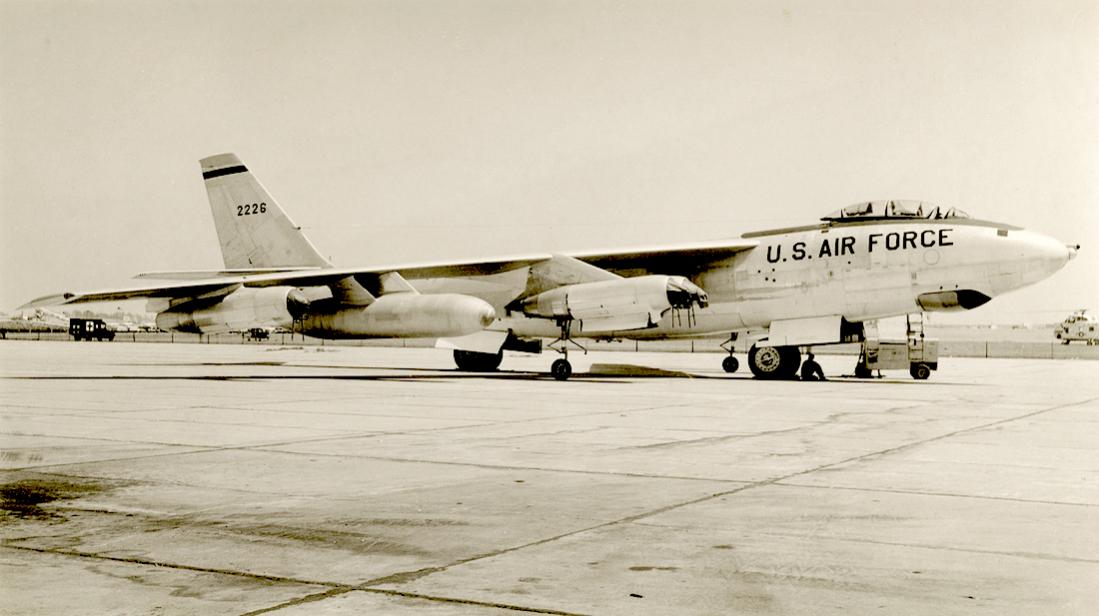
[(800, 332)]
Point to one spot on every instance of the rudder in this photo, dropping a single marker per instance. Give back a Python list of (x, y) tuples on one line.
[(252, 228)]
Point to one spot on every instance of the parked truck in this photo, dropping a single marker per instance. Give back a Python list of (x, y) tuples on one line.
[(89, 329)]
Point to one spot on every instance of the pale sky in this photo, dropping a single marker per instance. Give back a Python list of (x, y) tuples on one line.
[(418, 131)]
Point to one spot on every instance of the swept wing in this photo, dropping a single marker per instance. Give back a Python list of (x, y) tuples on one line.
[(545, 271)]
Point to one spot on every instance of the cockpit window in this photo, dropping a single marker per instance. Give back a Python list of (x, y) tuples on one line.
[(895, 208)]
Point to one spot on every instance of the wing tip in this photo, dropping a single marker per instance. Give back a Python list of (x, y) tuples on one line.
[(48, 300)]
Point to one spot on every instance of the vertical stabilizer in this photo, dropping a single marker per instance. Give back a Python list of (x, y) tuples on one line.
[(253, 230)]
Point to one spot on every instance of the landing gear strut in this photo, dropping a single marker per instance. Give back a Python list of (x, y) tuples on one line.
[(768, 362), (561, 369), (730, 363)]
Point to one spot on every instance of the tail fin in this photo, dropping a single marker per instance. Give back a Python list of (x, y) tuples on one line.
[(253, 230)]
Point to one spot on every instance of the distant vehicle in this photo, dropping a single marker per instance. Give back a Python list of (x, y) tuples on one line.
[(259, 333), (89, 329), (1078, 326)]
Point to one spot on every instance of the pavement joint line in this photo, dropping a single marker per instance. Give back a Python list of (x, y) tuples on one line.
[(335, 588), (941, 494), (830, 419), (322, 596), (310, 598), (152, 563), (260, 446), (506, 467), (923, 546), (506, 606), (158, 420), (950, 548), (717, 495)]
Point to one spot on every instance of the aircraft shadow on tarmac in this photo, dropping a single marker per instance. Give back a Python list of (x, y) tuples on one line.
[(600, 373)]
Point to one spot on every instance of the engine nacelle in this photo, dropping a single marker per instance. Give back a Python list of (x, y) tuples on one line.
[(242, 309), (614, 305), (412, 315)]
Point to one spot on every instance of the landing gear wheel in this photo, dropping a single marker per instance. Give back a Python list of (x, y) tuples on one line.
[(561, 369), (791, 361), (730, 364), (472, 361), (920, 372), (774, 362), (765, 362)]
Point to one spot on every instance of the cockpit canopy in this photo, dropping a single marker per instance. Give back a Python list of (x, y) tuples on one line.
[(896, 208)]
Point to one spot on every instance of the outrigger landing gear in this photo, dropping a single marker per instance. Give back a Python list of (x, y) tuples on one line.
[(561, 369), (730, 363)]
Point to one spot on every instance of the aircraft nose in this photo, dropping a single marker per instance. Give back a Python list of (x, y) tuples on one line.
[(1048, 254), (1072, 250)]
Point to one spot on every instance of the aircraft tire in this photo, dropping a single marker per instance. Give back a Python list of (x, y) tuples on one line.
[(774, 362), (730, 364), (791, 361), (920, 372), (472, 361), (561, 369), (765, 362)]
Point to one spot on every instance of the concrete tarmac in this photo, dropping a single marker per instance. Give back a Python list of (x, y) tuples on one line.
[(214, 479)]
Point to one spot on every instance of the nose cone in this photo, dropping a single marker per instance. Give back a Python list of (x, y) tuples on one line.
[(487, 315), (1053, 254), (472, 314), (1072, 250), (1043, 255)]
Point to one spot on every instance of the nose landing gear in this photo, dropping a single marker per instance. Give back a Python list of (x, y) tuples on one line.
[(730, 363)]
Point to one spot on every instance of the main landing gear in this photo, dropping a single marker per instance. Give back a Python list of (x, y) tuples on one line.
[(768, 362), (561, 369), (472, 361)]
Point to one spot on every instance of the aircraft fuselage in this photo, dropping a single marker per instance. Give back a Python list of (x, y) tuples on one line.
[(858, 270)]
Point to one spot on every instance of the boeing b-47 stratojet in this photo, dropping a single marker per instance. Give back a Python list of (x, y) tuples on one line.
[(809, 285)]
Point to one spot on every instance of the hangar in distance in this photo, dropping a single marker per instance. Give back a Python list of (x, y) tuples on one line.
[(808, 285)]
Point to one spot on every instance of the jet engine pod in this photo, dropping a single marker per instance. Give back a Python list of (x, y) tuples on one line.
[(403, 315), (242, 309), (943, 301), (628, 303)]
